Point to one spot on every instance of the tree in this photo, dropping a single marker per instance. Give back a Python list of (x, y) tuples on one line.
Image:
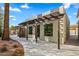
[(12, 27), (6, 23), (5, 36)]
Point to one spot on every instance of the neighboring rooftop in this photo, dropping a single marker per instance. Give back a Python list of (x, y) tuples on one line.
[(73, 27)]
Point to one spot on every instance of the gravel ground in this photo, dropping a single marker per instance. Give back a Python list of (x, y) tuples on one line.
[(43, 48)]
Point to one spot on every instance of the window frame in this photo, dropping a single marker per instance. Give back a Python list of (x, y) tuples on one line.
[(30, 30), (48, 29)]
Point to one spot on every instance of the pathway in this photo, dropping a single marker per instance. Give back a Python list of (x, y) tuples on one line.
[(43, 48)]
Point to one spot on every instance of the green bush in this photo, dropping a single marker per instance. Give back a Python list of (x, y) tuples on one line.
[(15, 46), (4, 48)]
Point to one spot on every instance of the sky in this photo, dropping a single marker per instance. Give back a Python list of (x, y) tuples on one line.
[(20, 12)]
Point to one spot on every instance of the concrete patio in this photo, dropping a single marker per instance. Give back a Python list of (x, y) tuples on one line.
[(43, 48)]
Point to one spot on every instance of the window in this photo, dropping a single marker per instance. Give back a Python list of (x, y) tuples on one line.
[(48, 29), (30, 30)]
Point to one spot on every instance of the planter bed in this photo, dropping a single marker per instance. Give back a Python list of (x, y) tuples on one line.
[(11, 48)]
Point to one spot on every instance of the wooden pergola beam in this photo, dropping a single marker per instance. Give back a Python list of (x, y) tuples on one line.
[(41, 19), (31, 22), (36, 20), (46, 17), (52, 16)]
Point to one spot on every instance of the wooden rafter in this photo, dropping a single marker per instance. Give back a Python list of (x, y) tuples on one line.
[(46, 17), (36, 20), (55, 15), (41, 19), (31, 22)]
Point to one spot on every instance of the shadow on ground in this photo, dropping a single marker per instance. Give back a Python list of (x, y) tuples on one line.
[(73, 40)]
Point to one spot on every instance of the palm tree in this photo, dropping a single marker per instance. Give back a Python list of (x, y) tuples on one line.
[(6, 23)]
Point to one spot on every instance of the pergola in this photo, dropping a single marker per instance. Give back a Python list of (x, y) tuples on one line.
[(41, 18)]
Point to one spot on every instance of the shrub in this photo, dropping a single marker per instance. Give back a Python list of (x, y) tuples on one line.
[(4, 48), (15, 46), (5, 45), (18, 52)]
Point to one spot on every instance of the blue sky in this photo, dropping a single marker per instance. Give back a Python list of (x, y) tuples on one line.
[(20, 12)]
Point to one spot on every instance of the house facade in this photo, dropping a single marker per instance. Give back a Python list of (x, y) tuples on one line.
[(74, 29), (49, 26)]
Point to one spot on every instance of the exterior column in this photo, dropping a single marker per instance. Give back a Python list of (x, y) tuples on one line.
[(78, 23), (27, 32), (78, 29), (42, 37), (36, 33), (58, 33)]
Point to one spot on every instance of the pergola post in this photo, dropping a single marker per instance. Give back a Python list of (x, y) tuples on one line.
[(58, 33), (78, 23), (36, 32), (58, 16), (27, 32), (78, 29)]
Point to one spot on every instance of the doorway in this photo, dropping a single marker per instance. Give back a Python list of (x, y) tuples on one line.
[(38, 31)]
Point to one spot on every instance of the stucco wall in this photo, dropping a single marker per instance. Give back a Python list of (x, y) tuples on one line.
[(42, 31), (55, 32), (63, 35), (53, 38)]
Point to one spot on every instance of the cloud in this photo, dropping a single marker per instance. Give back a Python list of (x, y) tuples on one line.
[(69, 16), (74, 13), (25, 6), (2, 8), (76, 5), (12, 17), (67, 5), (15, 9)]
